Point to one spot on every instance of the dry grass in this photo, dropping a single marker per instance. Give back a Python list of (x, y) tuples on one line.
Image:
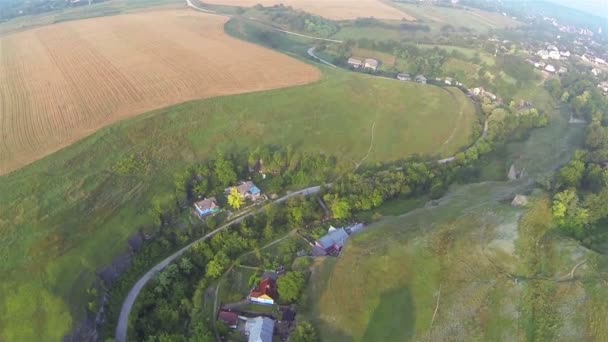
[(331, 9), (63, 82)]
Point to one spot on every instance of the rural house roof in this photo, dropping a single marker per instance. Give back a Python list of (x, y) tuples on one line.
[(248, 188), (267, 287), (260, 329), (354, 60), (371, 63), (230, 318), (207, 204), (334, 238)]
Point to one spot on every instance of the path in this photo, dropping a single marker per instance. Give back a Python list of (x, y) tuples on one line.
[(191, 5), (311, 53), (369, 150), (127, 305)]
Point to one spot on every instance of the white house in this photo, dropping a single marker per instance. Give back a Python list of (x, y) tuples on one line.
[(544, 54), (554, 55), (371, 63), (550, 68), (355, 62)]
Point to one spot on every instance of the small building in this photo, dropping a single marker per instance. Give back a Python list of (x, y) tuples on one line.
[(550, 68), (265, 293), (206, 207), (259, 329), (247, 190), (371, 63), (565, 54), (333, 241), (355, 62), (562, 70), (231, 319), (604, 87), (420, 79), (554, 54), (596, 71), (544, 54), (448, 80), (404, 77)]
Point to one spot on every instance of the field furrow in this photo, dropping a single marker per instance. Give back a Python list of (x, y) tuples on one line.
[(62, 82)]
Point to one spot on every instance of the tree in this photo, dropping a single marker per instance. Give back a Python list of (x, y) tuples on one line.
[(290, 286), (568, 213), (224, 171), (304, 332), (572, 174), (340, 208), (235, 199), (216, 267)]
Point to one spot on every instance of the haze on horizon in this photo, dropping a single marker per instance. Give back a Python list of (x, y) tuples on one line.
[(597, 7)]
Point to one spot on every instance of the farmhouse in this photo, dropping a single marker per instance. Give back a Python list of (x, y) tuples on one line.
[(333, 241), (554, 55), (562, 70), (448, 80), (247, 190), (265, 293), (207, 206), (544, 54), (371, 63), (420, 79), (259, 329), (231, 319), (550, 68), (404, 77), (355, 62)]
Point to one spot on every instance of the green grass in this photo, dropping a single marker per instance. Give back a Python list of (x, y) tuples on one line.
[(467, 52), (473, 19), (66, 216), (106, 8), (471, 243)]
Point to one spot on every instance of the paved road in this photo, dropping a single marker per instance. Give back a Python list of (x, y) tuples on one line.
[(127, 305)]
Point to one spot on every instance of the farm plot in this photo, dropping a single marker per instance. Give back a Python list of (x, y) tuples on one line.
[(331, 9), (60, 83)]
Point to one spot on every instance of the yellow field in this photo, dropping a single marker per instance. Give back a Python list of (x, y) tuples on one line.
[(62, 82), (331, 9)]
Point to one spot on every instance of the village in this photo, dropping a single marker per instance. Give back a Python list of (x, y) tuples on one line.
[(261, 315)]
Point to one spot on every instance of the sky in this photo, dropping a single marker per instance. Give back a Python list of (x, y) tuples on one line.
[(598, 7)]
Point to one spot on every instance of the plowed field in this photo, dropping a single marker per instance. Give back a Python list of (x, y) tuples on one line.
[(62, 82)]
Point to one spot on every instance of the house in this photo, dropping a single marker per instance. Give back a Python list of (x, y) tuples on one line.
[(206, 207), (404, 77), (247, 190), (231, 319), (371, 63), (550, 68), (554, 54), (596, 71), (355, 62), (265, 293), (448, 80), (484, 93), (420, 79), (259, 329), (565, 54), (544, 54), (333, 241), (604, 87), (562, 70)]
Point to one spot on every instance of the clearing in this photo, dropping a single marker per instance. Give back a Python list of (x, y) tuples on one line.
[(62, 82), (470, 18), (77, 216), (330, 9)]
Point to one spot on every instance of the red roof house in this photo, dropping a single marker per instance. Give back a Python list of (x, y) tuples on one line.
[(230, 318), (265, 293)]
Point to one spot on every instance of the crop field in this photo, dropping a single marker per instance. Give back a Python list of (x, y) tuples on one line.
[(471, 18), (331, 9), (62, 82), (69, 214)]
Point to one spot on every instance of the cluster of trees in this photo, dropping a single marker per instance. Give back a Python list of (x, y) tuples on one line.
[(173, 302), (581, 186), (299, 21)]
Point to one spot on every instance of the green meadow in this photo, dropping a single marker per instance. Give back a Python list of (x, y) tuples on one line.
[(65, 217)]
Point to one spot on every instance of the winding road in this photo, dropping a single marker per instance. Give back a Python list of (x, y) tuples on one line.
[(127, 305)]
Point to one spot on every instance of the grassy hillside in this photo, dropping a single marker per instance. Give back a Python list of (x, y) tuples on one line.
[(64, 217), (469, 267)]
